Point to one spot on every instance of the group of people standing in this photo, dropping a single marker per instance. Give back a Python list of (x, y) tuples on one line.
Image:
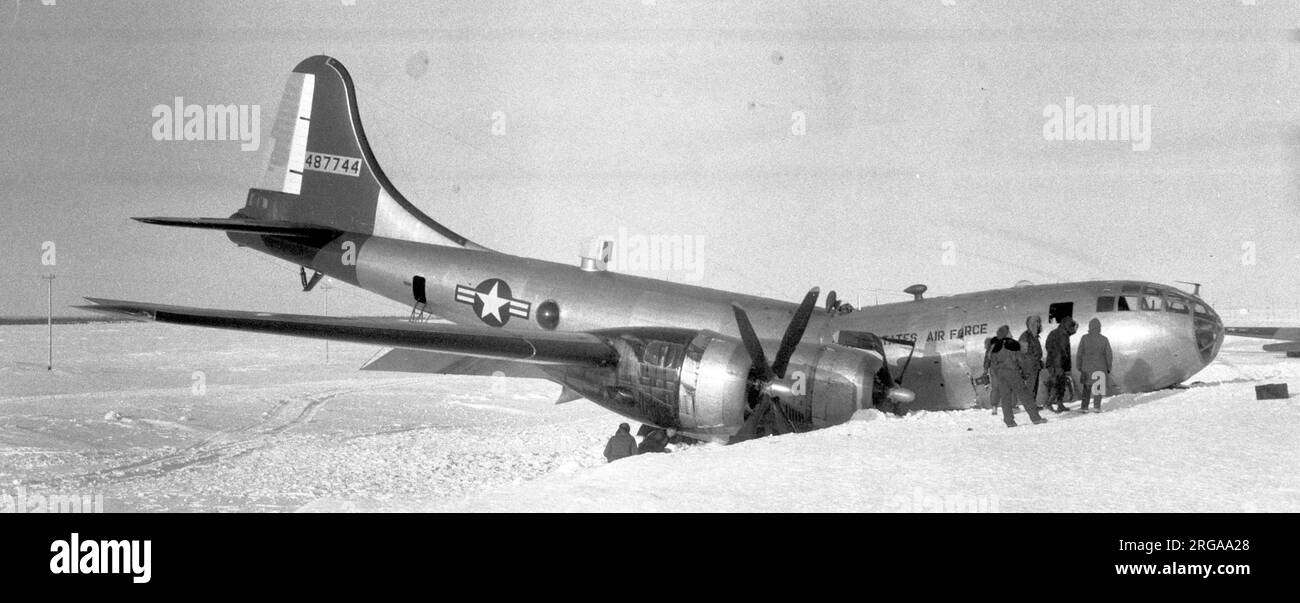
[(1014, 366)]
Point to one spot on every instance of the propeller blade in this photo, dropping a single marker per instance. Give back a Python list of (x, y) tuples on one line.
[(752, 344), (749, 430), (794, 332), (780, 422)]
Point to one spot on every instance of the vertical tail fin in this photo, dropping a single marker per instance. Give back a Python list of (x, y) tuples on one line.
[(321, 170)]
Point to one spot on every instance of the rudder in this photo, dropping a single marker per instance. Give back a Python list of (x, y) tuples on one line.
[(322, 171)]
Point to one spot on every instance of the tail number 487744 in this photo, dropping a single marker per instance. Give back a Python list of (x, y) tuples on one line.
[(333, 164)]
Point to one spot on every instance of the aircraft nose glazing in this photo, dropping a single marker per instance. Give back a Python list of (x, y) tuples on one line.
[(1208, 330)]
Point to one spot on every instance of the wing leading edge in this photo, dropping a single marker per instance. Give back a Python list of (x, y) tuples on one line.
[(1281, 333), (545, 348)]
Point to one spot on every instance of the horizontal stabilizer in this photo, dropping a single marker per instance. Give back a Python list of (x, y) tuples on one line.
[(551, 347), (266, 227), (1287, 346)]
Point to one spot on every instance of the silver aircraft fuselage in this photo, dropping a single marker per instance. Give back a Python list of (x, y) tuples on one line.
[(1160, 336)]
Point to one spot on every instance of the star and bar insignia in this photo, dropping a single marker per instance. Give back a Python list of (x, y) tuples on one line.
[(492, 302)]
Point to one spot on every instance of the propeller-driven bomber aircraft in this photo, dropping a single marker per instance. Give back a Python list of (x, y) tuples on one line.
[(672, 355)]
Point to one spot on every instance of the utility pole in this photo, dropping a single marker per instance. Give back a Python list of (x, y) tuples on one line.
[(326, 290), (49, 320)]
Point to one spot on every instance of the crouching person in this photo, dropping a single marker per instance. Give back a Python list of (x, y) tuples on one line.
[(621, 444)]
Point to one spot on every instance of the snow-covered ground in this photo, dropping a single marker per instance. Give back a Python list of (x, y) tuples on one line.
[(163, 418)]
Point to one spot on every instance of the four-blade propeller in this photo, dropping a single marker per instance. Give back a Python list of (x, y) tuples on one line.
[(766, 410), (763, 375)]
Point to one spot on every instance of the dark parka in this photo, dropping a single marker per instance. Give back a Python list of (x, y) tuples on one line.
[(621, 445), (1094, 350), (1032, 350), (1058, 347)]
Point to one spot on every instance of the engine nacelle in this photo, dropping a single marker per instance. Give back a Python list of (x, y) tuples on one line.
[(714, 385), (823, 385), (699, 382), (826, 383)]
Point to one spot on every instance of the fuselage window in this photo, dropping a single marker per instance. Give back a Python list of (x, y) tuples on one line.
[(1128, 303), (1059, 310), (417, 290), (1106, 303)]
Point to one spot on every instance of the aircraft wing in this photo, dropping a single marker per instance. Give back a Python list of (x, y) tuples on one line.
[(1282, 333), (401, 360), (546, 348)]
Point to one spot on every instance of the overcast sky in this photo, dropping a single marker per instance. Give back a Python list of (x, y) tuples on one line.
[(860, 147)]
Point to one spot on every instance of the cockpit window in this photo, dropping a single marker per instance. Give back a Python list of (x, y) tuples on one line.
[(1177, 305), (1128, 303), (1130, 289), (1152, 299), (1201, 310), (1106, 303)]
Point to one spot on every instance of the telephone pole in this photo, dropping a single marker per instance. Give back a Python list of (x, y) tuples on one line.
[(326, 290), (49, 319)]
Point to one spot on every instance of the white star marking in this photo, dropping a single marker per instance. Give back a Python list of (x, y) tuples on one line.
[(492, 304)]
